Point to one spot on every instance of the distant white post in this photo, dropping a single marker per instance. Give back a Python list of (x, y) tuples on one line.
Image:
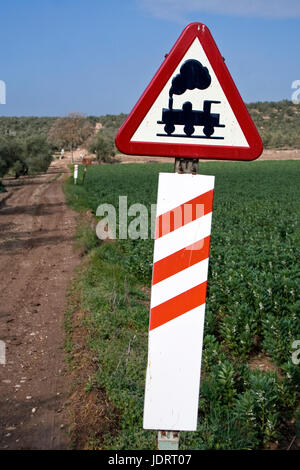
[(2, 352), (75, 173), (2, 92)]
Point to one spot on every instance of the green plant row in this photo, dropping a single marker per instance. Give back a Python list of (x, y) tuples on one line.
[(252, 311)]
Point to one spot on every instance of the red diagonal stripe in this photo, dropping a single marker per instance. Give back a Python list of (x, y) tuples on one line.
[(177, 306), (184, 214), (180, 260)]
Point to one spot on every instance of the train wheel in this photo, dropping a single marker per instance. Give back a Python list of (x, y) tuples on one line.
[(189, 129), (208, 130), (169, 128)]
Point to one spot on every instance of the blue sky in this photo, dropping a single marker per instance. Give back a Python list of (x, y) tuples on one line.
[(97, 56)]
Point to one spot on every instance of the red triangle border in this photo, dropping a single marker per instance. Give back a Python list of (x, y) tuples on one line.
[(166, 70)]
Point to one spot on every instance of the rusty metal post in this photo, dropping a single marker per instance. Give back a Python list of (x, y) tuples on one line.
[(186, 165), (84, 174)]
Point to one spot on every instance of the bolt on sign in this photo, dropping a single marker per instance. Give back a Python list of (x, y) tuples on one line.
[(191, 109)]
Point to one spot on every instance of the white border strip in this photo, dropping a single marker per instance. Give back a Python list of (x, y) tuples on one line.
[(182, 237)]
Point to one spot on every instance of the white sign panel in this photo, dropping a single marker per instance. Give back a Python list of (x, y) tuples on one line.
[(178, 296)]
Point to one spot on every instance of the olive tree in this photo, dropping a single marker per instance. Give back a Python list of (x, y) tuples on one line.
[(103, 147), (70, 131)]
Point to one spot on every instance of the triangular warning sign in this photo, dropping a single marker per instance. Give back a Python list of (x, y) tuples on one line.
[(191, 108)]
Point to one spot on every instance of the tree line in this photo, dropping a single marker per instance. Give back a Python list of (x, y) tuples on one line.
[(27, 143), (23, 156)]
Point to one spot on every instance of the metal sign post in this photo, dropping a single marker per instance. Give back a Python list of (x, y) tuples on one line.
[(168, 440), (186, 165)]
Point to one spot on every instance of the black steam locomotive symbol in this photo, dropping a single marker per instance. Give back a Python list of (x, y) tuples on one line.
[(192, 75)]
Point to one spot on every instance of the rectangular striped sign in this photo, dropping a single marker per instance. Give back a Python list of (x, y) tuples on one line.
[(178, 295)]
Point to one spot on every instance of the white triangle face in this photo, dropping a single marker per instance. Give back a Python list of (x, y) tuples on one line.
[(226, 132)]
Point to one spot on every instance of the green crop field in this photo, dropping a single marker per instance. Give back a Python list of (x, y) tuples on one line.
[(250, 376)]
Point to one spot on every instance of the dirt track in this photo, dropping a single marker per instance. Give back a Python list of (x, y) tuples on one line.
[(36, 265)]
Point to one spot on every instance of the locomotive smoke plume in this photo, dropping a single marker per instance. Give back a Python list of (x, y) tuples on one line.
[(192, 75)]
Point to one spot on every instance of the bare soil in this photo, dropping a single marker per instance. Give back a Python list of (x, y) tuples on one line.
[(90, 412), (36, 265), (269, 154)]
